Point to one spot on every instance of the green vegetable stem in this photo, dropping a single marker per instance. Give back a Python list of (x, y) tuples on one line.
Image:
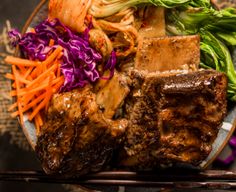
[(217, 29), (105, 8)]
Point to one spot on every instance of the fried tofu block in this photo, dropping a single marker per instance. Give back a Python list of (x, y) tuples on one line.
[(168, 53)]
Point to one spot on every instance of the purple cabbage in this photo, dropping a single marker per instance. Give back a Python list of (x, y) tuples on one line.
[(80, 61), (230, 155), (110, 65), (14, 37)]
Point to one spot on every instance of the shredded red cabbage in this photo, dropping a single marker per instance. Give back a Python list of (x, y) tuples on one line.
[(79, 59), (111, 63), (232, 142), (230, 156)]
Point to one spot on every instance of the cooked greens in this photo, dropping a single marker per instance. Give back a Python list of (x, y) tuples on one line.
[(104, 8), (217, 29)]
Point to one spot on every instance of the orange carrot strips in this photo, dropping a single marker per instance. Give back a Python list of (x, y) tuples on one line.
[(51, 42), (10, 76), (25, 91), (45, 100), (32, 30), (13, 106), (21, 79), (30, 105), (53, 56), (21, 62), (34, 85), (41, 77), (17, 90)]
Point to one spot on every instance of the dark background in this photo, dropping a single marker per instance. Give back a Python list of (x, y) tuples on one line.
[(12, 156)]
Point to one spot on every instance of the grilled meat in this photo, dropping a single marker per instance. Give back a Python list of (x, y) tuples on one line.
[(169, 118), (76, 136), (168, 53), (173, 118), (112, 94)]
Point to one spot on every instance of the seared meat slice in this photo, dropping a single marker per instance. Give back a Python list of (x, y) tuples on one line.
[(112, 94), (173, 118), (76, 137), (168, 53)]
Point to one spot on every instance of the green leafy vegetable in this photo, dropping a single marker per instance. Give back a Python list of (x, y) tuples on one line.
[(104, 8), (192, 19), (200, 3), (228, 37), (215, 54), (217, 30)]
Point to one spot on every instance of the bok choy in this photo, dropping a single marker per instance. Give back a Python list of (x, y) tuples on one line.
[(217, 29), (104, 8)]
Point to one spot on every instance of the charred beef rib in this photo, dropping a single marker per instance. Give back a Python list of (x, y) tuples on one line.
[(76, 137), (173, 118), (168, 118)]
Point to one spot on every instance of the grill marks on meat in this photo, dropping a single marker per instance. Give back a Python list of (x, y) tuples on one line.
[(192, 108), (169, 118), (76, 136), (186, 112)]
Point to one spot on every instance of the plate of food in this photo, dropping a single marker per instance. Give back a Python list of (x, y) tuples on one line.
[(111, 84)]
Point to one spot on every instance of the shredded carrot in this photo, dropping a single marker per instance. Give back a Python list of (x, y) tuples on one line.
[(34, 85), (13, 106), (26, 91), (51, 42), (41, 77), (32, 30), (21, 79), (27, 74), (40, 119), (29, 105), (21, 62), (41, 105), (45, 100), (10, 76), (52, 57), (60, 55), (17, 90)]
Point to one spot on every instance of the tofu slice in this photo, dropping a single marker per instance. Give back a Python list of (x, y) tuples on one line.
[(168, 53), (112, 94), (153, 22)]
